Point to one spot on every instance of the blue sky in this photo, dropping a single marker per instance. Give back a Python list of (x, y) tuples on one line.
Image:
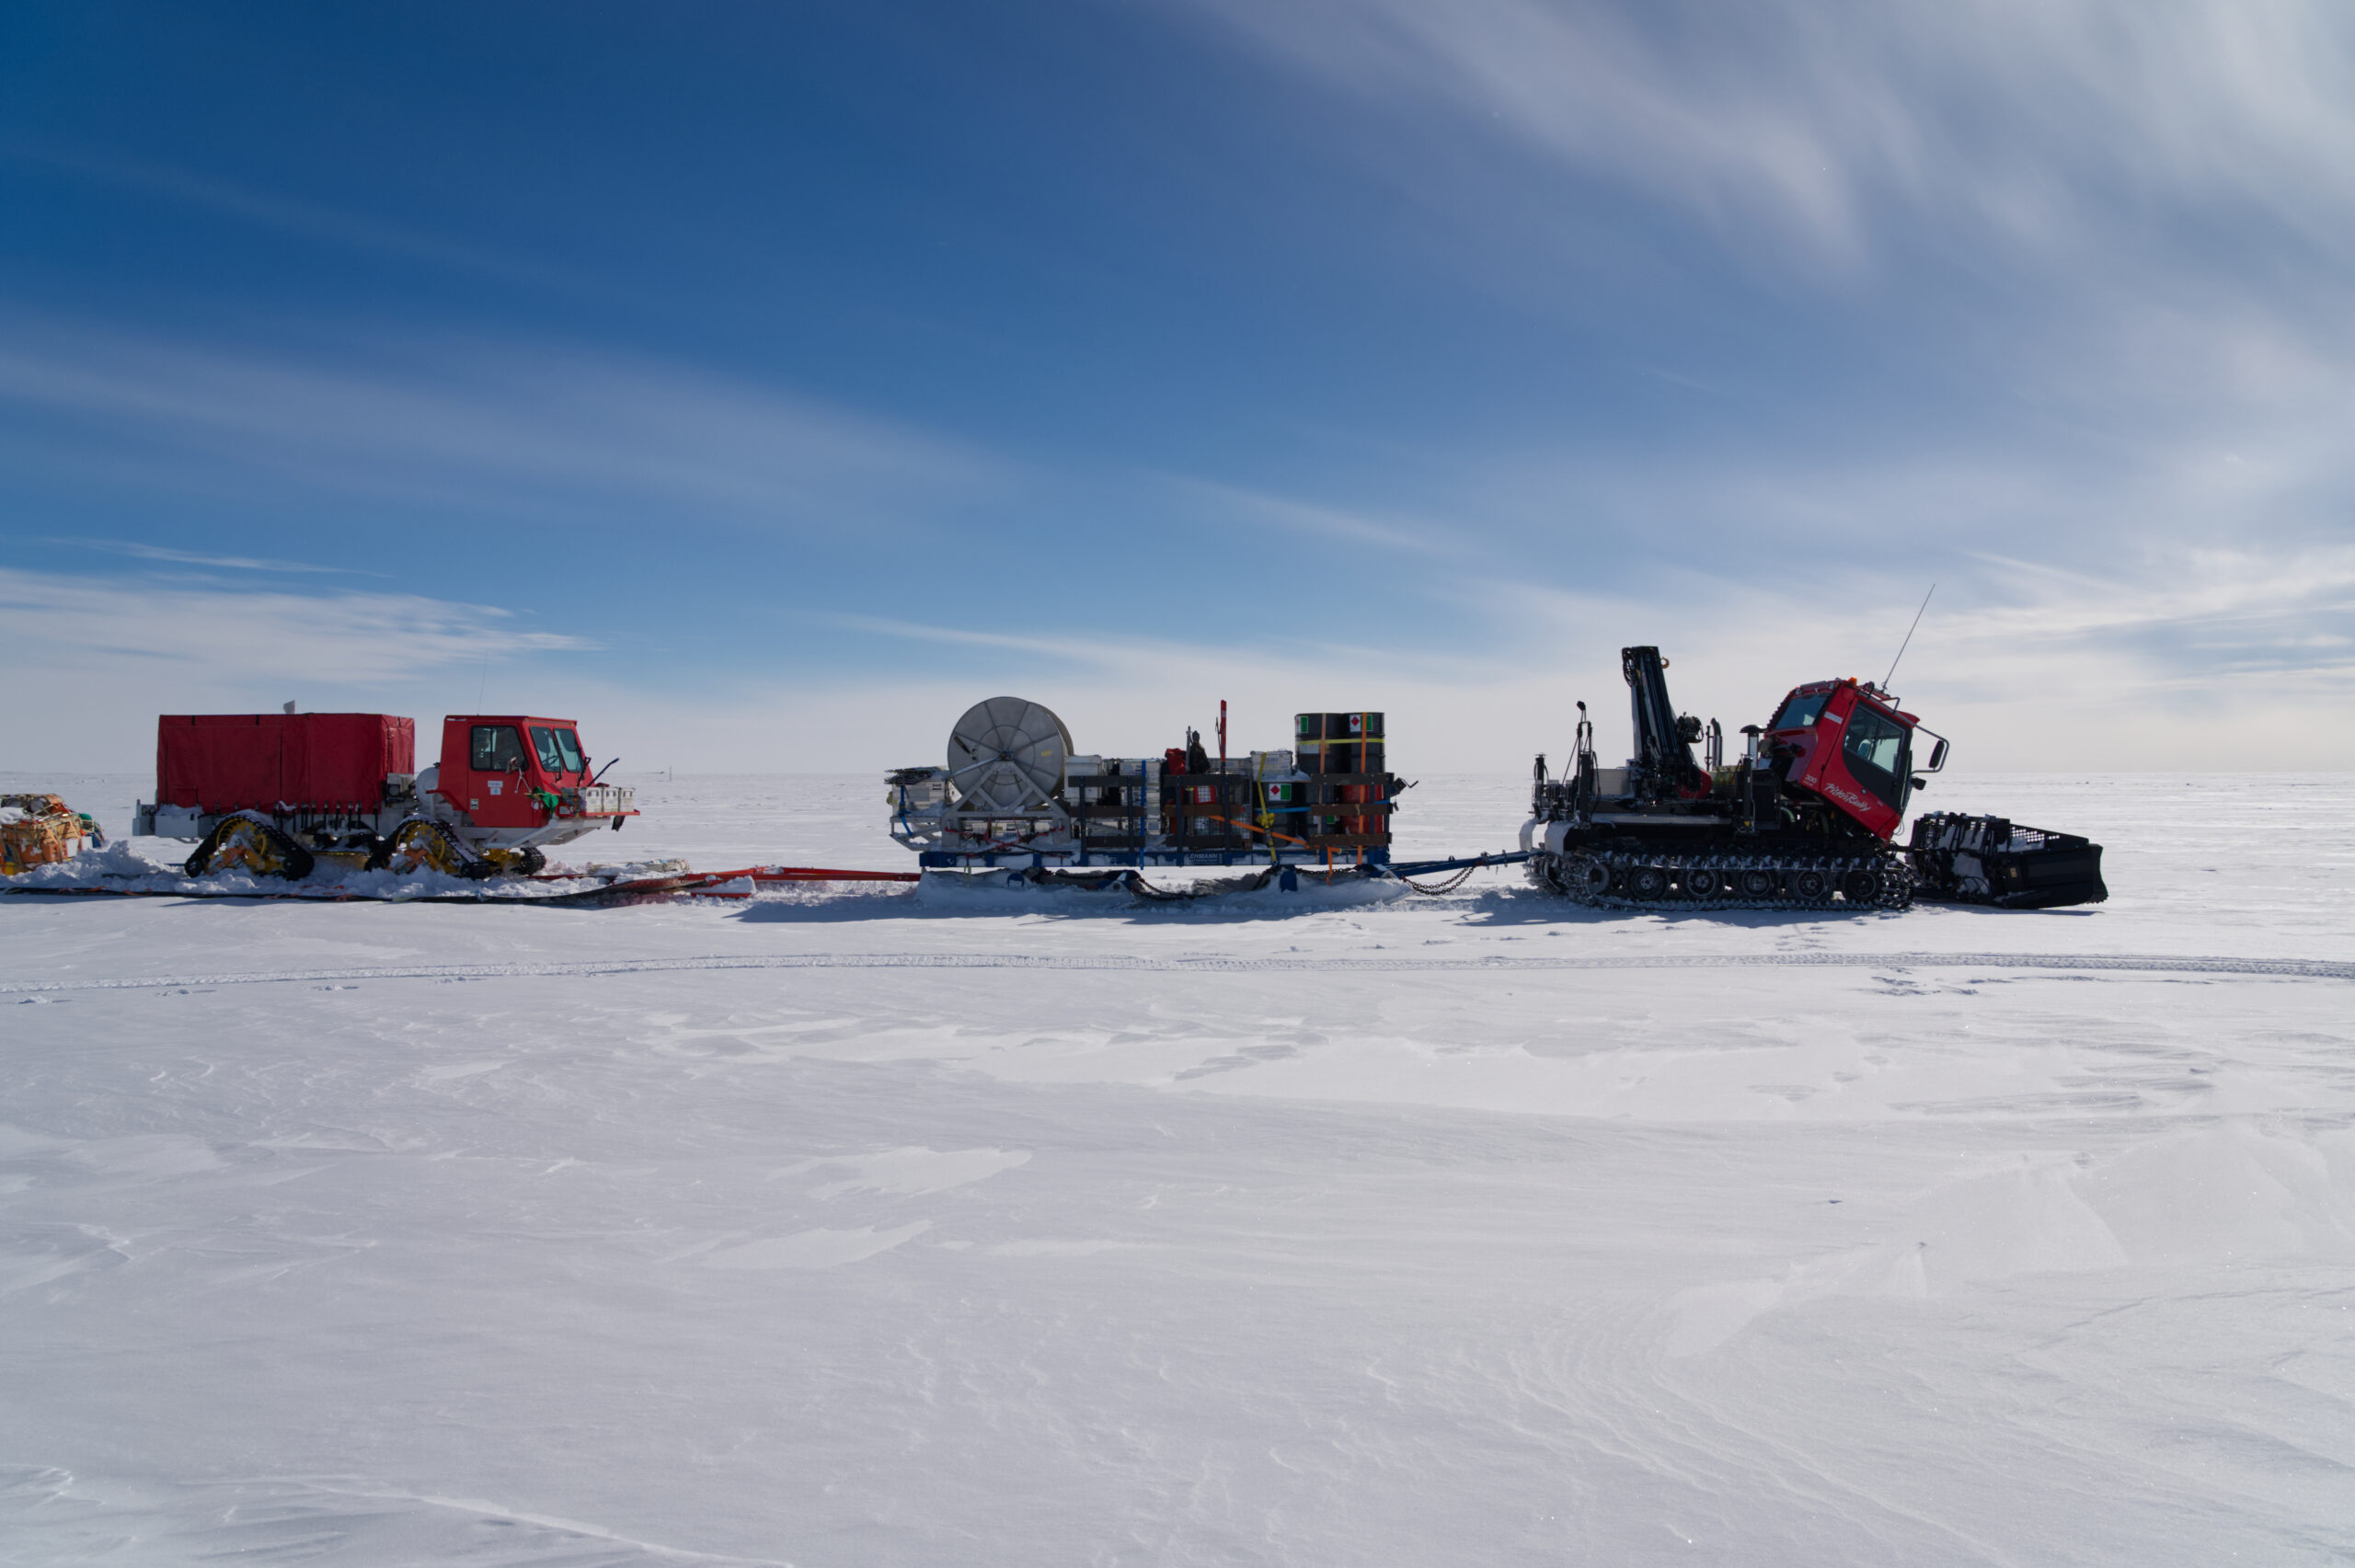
[(761, 384)]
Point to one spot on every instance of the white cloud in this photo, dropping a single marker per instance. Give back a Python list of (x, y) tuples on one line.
[(499, 422), (98, 658), (307, 219), (190, 635), (1258, 509), (2029, 121), (2225, 659), (2196, 660), (196, 559)]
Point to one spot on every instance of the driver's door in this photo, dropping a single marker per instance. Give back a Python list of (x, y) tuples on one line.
[(499, 778)]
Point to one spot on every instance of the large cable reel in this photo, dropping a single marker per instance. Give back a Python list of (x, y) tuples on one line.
[(1007, 754)]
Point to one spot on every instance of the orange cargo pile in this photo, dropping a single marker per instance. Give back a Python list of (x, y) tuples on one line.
[(41, 830)]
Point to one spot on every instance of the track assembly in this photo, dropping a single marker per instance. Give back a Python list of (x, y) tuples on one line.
[(1638, 880)]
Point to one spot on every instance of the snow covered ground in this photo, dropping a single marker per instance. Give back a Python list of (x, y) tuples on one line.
[(886, 1228)]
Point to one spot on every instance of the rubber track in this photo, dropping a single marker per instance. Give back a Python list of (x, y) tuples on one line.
[(1896, 880), (2290, 968)]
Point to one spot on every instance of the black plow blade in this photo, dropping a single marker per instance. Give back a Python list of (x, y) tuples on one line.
[(1990, 860)]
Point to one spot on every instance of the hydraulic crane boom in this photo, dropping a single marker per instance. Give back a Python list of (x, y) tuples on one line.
[(1663, 740)]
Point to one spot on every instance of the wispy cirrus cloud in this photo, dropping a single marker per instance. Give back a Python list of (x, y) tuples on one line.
[(503, 421), (1315, 520), (309, 220), (2032, 121), (196, 557), (193, 635)]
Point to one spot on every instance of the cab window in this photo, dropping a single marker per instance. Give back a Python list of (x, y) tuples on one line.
[(559, 749), (496, 748), (1798, 713), (1876, 748)]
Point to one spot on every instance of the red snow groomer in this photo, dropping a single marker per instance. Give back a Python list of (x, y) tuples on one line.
[(1805, 818), (270, 793)]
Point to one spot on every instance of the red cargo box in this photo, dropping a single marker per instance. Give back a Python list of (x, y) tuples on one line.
[(260, 761)]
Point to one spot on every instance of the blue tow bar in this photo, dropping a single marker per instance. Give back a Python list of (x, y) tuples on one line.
[(1425, 867)]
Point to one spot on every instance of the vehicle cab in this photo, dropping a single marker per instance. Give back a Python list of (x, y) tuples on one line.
[(1850, 743), (526, 778)]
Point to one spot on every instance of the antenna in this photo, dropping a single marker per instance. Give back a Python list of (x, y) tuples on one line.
[(1909, 639)]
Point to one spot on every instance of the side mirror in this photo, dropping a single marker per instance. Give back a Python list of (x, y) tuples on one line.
[(1921, 782), (1938, 755)]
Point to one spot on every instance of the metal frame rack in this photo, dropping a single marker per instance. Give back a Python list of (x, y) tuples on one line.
[(1012, 795)]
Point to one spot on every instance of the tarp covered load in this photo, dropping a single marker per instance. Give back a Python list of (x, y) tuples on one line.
[(218, 763)]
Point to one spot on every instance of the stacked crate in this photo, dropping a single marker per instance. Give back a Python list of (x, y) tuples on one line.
[(1115, 802), (1344, 754), (1282, 796)]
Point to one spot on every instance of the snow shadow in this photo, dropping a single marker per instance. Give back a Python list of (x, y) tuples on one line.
[(1533, 905), (930, 900)]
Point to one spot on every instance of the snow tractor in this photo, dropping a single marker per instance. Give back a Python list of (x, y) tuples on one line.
[(271, 794), (1803, 818)]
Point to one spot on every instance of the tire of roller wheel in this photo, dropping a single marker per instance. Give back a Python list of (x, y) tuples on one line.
[(299, 860), (199, 860)]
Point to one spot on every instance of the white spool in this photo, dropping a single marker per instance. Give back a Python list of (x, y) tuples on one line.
[(1007, 754)]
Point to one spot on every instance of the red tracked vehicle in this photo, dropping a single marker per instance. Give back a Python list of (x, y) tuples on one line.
[(1804, 818), (270, 793)]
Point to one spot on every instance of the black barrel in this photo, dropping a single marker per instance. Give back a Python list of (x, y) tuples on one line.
[(1308, 726)]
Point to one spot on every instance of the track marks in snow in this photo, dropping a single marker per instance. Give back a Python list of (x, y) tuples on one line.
[(331, 1521), (2208, 1196), (908, 1172), (813, 1249), (890, 1175), (34, 1256), (2287, 968)]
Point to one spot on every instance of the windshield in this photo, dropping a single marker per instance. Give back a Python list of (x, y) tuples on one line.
[(1798, 713), (559, 749), (1875, 748)]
